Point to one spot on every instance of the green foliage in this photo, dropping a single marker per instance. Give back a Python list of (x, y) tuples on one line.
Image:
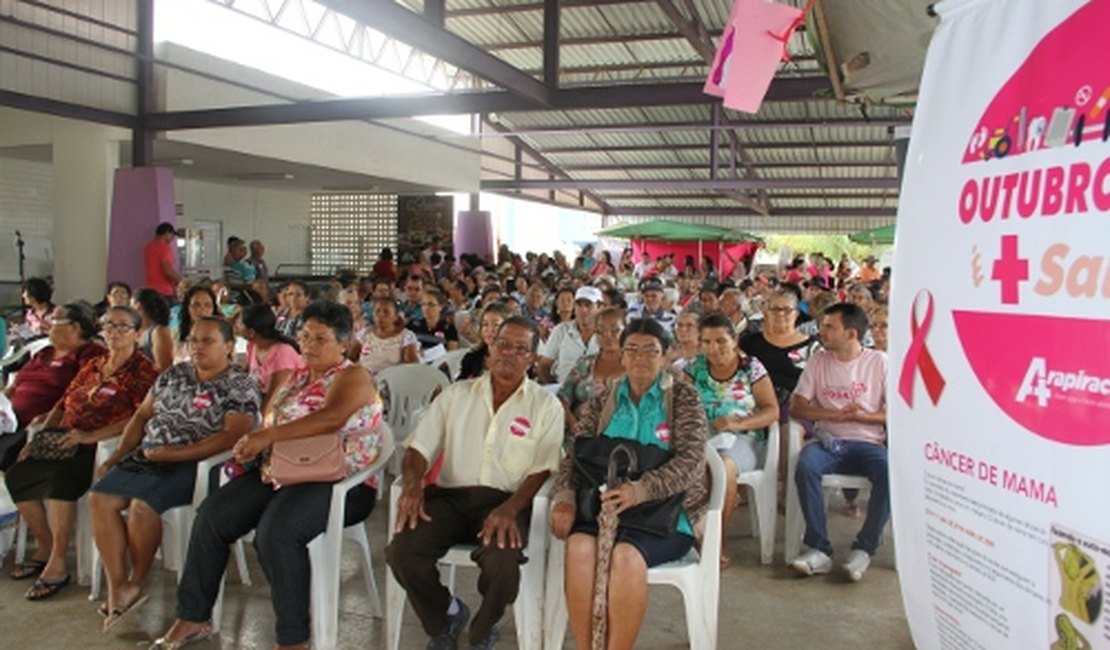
[(833, 246)]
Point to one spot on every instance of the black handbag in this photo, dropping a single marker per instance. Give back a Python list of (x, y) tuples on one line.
[(602, 460), (46, 445)]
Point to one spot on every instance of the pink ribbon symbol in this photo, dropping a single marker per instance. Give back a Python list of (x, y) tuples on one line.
[(918, 356)]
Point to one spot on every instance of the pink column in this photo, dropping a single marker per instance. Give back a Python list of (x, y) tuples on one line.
[(142, 198), (473, 232)]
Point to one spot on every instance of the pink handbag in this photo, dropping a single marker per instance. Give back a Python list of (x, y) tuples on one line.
[(316, 459)]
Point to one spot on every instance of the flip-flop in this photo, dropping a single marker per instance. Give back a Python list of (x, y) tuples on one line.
[(165, 644), (117, 614), (28, 569), (45, 588)]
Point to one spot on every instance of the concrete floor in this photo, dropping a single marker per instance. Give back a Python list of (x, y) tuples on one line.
[(764, 607)]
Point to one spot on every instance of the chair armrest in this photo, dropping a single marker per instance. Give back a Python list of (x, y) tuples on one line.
[(204, 474), (339, 490)]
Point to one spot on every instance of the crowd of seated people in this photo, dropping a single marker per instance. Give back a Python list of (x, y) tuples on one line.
[(629, 350)]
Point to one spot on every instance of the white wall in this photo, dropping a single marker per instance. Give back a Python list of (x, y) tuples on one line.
[(26, 205), (278, 218)]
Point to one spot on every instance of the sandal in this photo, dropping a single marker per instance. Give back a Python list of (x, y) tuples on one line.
[(45, 588), (118, 614), (28, 569), (165, 644)]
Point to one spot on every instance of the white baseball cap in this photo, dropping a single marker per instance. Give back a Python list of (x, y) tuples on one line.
[(593, 294)]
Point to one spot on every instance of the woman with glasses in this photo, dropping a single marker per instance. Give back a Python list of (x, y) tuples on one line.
[(594, 371), (647, 406), (42, 381), (434, 328), (880, 327), (687, 345), (195, 409), (329, 395), (739, 403), (96, 406), (780, 347)]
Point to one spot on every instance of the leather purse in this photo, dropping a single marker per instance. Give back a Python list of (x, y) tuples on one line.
[(45, 444), (316, 459), (602, 460)]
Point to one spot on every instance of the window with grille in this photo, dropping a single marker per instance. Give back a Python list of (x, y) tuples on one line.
[(349, 230)]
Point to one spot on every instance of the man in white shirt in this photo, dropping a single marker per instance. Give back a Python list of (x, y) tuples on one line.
[(571, 340), (497, 439), (843, 390), (643, 267)]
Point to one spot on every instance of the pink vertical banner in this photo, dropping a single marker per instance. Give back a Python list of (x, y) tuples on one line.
[(473, 232), (749, 52), (142, 198)]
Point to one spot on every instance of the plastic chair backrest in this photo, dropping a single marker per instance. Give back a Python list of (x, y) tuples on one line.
[(410, 387)]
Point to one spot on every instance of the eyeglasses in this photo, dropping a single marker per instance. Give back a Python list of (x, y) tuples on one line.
[(780, 310), (507, 346), (880, 326), (646, 351), (117, 327), (609, 330), (195, 342), (685, 326)]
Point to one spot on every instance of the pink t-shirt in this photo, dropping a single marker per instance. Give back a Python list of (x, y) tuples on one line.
[(280, 356), (833, 384)]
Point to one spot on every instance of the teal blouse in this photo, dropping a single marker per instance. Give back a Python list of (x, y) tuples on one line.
[(645, 423)]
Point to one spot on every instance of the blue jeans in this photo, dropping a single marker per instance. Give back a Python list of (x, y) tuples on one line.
[(853, 457)]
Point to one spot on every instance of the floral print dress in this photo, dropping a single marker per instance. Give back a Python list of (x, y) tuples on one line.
[(362, 433)]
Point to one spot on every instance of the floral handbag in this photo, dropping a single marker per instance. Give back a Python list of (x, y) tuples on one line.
[(46, 444)]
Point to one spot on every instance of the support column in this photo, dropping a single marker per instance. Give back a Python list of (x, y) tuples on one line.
[(85, 158)]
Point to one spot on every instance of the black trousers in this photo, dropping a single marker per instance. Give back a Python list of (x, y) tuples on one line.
[(287, 520), (457, 516)]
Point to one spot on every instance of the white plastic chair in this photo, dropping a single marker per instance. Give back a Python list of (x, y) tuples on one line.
[(20, 354), (830, 483), (177, 525), (528, 610), (763, 498), (325, 552), (453, 361), (697, 576), (410, 387)]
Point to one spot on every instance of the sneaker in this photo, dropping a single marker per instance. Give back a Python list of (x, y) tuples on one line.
[(448, 639), (488, 643), (857, 564), (811, 563)]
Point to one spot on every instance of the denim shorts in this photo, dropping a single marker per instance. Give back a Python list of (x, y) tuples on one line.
[(167, 488)]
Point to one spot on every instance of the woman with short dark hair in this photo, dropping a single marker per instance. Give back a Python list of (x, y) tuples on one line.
[(647, 406), (195, 409), (37, 294), (96, 406), (42, 381), (330, 395)]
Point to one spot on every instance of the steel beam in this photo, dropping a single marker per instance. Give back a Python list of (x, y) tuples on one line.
[(527, 8), (551, 43), (435, 12), (697, 147), (394, 20), (719, 185), (777, 164), (588, 40), (331, 110), (142, 138), (740, 211), (646, 196), (689, 28), (672, 127), (65, 109)]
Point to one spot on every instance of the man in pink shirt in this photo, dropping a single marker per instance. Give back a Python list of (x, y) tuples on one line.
[(843, 390), (158, 262)]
